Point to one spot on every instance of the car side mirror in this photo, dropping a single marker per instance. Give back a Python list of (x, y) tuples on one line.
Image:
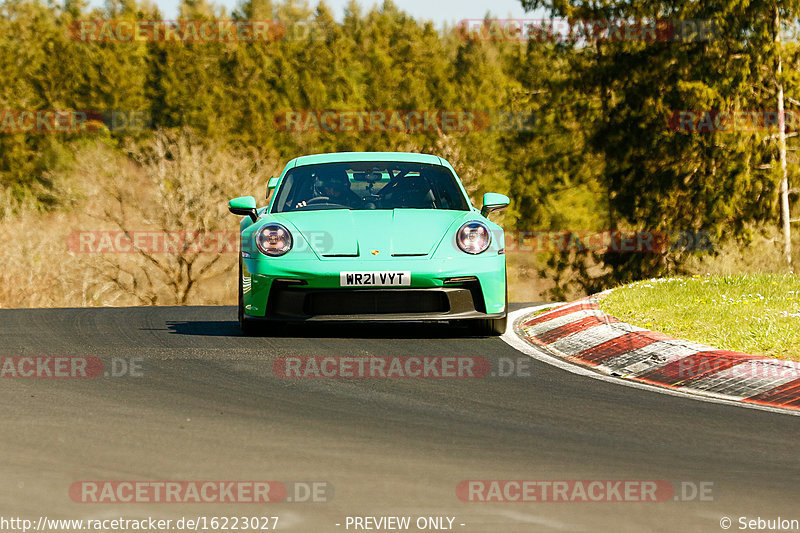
[(244, 206), (493, 201)]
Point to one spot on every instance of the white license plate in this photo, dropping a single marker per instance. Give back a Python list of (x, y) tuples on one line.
[(375, 279)]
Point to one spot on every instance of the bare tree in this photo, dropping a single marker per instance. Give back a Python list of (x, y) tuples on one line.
[(176, 195)]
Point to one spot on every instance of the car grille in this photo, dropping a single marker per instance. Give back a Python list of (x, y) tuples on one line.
[(376, 302), (293, 301)]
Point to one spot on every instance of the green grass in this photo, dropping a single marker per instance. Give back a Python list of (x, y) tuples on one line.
[(752, 313)]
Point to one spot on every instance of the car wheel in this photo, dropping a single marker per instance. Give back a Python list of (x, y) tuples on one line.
[(249, 327), (490, 326)]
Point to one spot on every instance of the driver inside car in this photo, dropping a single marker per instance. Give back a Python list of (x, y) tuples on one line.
[(332, 189)]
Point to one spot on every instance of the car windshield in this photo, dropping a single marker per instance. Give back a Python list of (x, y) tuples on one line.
[(369, 185)]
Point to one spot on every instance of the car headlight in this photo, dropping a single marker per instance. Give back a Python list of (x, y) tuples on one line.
[(273, 240), (473, 237)]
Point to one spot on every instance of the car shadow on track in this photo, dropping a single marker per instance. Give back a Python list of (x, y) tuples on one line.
[(404, 330)]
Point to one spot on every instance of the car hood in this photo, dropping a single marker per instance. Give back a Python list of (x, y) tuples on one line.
[(357, 233)]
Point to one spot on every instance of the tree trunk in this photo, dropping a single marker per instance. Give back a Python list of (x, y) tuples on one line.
[(784, 190)]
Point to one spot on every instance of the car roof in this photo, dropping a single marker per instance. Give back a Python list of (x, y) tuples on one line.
[(345, 157)]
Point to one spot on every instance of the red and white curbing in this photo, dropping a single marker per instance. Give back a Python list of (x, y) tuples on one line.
[(581, 333)]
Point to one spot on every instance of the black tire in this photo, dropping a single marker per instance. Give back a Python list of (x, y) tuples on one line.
[(249, 327), (493, 327)]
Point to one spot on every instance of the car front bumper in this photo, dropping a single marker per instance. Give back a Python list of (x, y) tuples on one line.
[(440, 290)]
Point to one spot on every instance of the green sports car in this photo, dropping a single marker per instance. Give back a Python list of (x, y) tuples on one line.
[(360, 236)]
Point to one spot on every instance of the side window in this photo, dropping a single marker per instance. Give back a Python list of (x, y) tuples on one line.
[(283, 193)]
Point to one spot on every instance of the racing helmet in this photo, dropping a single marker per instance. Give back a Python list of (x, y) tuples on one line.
[(336, 179)]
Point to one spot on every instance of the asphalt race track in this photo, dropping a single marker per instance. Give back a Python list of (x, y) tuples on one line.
[(208, 407)]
